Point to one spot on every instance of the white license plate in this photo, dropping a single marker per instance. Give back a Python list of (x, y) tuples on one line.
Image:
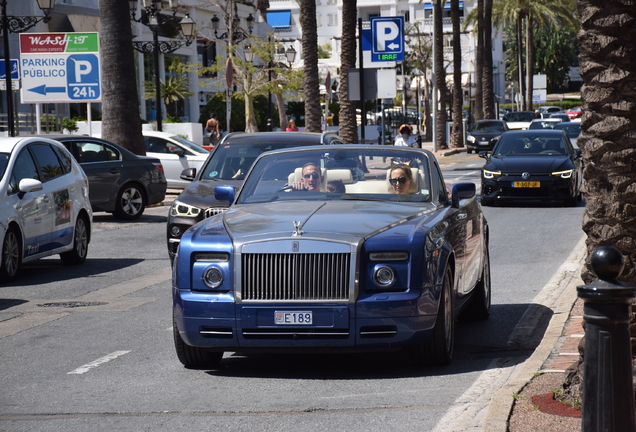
[(293, 318)]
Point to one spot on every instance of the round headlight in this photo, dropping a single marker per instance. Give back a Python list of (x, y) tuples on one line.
[(384, 276), (175, 231), (213, 277)]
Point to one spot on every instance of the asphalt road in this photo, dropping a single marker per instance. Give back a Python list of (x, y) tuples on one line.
[(90, 347)]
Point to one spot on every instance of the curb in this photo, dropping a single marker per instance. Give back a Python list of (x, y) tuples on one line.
[(559, 295)]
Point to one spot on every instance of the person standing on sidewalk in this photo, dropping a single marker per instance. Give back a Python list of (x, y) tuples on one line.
[(405, 138), (213, 126)]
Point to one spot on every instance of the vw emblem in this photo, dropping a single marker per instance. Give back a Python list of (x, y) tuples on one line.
[(525, 175), (295, 246)]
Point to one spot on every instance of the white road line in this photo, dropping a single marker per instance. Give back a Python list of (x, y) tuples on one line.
[(83, 369)]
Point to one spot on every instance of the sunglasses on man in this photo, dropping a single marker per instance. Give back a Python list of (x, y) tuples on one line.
[(312, 175), (395, 181)]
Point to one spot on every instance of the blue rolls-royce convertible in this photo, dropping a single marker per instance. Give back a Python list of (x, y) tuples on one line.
[(339, 248)]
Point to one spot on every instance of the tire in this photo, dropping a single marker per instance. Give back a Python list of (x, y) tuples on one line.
[(194, 357), (131, 203), (11, 255), (479, 307), (80, 243), (438, 351)]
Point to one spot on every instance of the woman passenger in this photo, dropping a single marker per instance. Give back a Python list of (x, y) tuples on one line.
[(401, 178)]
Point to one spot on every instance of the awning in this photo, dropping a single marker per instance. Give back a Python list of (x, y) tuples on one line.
[(279, 19), (84, 23)]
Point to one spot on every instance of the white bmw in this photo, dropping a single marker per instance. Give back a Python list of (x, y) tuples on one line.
[(44, 206)]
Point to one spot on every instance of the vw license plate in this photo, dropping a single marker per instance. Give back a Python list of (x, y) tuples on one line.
[(293, 318), (526, 184)]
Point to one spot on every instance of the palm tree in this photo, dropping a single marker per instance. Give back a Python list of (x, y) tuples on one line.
[(440, 75), (121, 122), (311, 84), (478, 112), (457, 138), (348, 124), (173, 89), (608, 127), (488, 94)]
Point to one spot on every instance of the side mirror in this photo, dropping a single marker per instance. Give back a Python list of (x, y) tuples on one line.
[(29, 185), (225, 193), (462, 191), (179, 152), (483, 154), (188, 174)]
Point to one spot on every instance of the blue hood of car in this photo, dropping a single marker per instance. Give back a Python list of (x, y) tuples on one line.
[(537, 164), (346, 220)]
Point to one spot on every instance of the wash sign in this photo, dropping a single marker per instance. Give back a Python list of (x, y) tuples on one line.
[(60, 67), (387, 34)]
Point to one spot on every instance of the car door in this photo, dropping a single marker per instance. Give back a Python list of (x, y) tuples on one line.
[(103, 167), (174, 159), (30, 209), (60, 190)]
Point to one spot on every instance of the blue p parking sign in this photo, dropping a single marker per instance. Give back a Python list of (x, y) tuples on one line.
[(387, 38), (82, 71)]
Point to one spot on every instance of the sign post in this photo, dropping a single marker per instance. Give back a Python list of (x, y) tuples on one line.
[(60, 67)]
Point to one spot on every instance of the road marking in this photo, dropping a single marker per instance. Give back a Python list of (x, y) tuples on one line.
[(100, 361)]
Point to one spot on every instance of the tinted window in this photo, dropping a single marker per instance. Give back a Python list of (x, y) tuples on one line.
[(4, 161), (88, 152), (490, 126), (24, 168), (65, 158), (47, 160)]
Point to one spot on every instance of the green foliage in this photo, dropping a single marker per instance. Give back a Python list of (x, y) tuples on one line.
[(173, 89), (556, 50), (324, 51), (70, 125), (172, 119), (49, 122)]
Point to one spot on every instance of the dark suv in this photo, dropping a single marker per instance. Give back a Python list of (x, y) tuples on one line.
[(227, 165)]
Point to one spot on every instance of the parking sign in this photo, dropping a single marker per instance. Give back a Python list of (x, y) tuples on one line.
[(387, 38)]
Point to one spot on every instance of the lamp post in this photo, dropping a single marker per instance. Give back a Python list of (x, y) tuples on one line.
[(18, 24), (152, 18), (233, 34)]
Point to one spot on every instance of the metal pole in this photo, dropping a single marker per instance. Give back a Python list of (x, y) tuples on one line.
[(7, 70), (155, 48)]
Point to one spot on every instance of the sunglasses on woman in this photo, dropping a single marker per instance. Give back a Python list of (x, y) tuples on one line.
[(400, 180), (312, 175)]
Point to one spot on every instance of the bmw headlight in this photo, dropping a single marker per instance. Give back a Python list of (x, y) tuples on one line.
[(470, 138), (184, 210), (564, 174), (491, 174)]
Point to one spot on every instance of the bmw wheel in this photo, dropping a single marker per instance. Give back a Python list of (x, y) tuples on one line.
[(131, 203), (80, 243), (11, 255)]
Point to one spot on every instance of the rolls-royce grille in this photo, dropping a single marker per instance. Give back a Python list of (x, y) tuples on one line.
[(213, 211), (297, 276)]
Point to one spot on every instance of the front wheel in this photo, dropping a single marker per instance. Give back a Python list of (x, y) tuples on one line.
[(130, 204), (194, 357), (80, 243), (11, 255), (438, 351)]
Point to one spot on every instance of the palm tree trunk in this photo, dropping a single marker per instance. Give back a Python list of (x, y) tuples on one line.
[(282, 115), (440, 75), (311, 83), (529, 61), (457, 138), (348, 124), (522, 87), (478, 113), (120, 100), (488, 93), (608, 127)]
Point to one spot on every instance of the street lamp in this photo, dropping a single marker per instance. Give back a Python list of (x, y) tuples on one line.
[(233, 35), (291, 55), (152, 18), (18, 24)]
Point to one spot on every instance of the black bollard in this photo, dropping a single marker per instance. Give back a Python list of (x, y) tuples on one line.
[(608, 392)]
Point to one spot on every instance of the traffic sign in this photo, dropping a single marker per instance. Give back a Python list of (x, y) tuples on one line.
[(60, 67), (15, 73), (387, 35)]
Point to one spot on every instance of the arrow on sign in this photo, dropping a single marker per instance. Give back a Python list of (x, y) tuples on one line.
[(393, 46), (43, 89)]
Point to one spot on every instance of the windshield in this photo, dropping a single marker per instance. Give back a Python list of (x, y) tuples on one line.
[(231, 161), (344, 174), (532, 146), (489, 126), (4, 160), (542, 125), (189, 144), (519, 117), (573, 131)]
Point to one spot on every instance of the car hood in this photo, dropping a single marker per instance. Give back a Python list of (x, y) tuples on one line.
[(201, 193), (337, 219), (537, 164)]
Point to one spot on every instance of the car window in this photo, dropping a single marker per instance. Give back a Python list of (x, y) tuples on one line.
[(23, 168), (442, 193), (519, 117), (232, 161), (48, 161), (160, 145), (488, 127), (189, 145), (4, 161), (65, 158), (88, 152)]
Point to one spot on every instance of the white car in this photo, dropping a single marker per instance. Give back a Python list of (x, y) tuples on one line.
[(176, 154), (44, 205)]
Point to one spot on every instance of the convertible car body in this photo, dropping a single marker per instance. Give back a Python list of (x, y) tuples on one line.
[(359, 269)]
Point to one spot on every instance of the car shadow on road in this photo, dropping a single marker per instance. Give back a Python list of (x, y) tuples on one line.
[(474, 352), (144, 218)]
